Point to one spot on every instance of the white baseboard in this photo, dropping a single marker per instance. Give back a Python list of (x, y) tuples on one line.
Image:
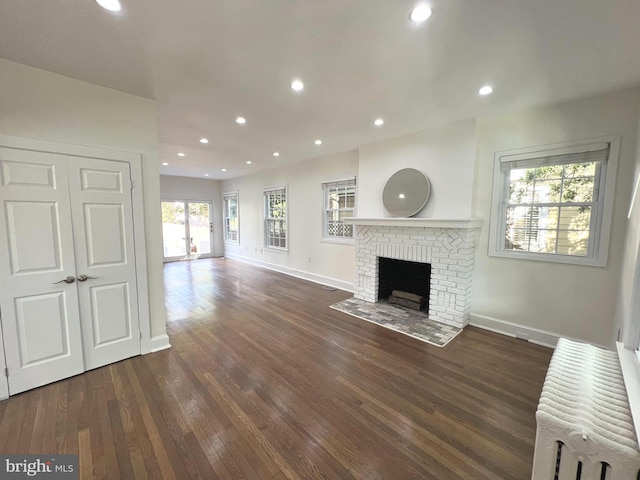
[(159, 343), (322, 280), (533, 335)]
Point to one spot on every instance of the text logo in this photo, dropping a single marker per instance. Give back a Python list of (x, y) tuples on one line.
[(50, 467)]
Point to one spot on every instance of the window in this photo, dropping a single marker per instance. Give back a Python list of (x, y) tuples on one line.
[(231, 224), (275, 218), (554, 204), (339, 203)]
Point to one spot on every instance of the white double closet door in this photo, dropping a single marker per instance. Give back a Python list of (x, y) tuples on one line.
[(68, 296)]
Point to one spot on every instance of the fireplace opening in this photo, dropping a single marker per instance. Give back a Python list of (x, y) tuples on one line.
[(404, 283)]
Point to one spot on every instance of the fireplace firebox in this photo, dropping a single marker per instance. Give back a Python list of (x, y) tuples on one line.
[(403, 276)]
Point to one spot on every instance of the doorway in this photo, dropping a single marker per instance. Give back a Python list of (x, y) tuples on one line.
[(187, 229)]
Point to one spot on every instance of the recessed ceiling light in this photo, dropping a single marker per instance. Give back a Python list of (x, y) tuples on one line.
[(297, 85), (248, 162), (204, 140), (241, 120), (276, 154), (111, 5), (180, 154), (223, 169), (165, 163), (318, 142), (420, 13), (206, 174), (378, 122), (486, 90)]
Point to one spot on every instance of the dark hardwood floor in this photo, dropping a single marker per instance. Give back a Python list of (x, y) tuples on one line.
[(265, 381)]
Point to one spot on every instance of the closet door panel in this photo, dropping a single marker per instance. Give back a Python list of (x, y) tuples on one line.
[(103, 233)]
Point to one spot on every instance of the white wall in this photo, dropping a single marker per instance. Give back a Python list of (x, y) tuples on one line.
[(38, 104), (445, 154), (308, 256), (628, 311), (187, 188), (570, 300)]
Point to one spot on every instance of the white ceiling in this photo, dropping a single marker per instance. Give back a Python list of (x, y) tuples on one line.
[(208, 61)]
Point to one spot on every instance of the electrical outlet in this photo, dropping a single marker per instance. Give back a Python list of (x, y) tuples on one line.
[(309, 259)]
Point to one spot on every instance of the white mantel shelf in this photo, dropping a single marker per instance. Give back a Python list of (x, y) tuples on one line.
[(461, 223)]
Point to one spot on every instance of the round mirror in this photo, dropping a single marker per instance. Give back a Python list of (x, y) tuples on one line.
[(406, 192)]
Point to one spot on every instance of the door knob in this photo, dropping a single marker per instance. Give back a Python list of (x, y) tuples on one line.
[(68, 279), (84, 278)]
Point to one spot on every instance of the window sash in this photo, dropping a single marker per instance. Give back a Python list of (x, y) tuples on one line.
[(588, 154), (344, 190), (231, 224), (275, 218)]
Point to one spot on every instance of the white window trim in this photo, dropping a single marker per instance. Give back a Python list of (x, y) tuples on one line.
[(323, 227), (604, 215), (224, 215), (264, 218)]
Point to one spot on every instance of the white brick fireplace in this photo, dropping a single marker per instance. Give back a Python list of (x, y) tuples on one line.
[(448, 245)]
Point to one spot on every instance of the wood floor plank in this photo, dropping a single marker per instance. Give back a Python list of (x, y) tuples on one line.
[(48, 440), (28, 424), (12, 422), (125, 468), (265, 381)]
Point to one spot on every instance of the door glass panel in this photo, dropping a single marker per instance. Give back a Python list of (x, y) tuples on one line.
[(173, 229), (200, 228)]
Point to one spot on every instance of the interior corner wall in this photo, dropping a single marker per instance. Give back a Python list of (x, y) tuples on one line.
[(308, 256), (569, 300), (200, 189), (445, 154), (38, 104), (628, 307)]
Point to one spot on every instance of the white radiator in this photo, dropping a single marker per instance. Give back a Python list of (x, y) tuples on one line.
[(585, 430)]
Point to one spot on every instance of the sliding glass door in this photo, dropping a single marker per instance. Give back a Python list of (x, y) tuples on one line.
[(187, 230)]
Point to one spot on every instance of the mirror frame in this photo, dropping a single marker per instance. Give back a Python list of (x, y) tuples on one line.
[(409, 180)]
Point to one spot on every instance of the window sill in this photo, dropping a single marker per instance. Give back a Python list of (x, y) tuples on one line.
[(275, 249), (340, 241), (232, 242), (553, 258), (630, 364)]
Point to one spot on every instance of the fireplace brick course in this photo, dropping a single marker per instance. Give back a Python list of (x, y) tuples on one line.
[(450, 251)]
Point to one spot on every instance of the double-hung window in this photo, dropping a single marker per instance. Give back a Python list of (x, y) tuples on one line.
[(275, 218), (555, 203), (339, 203), (231, 223)]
